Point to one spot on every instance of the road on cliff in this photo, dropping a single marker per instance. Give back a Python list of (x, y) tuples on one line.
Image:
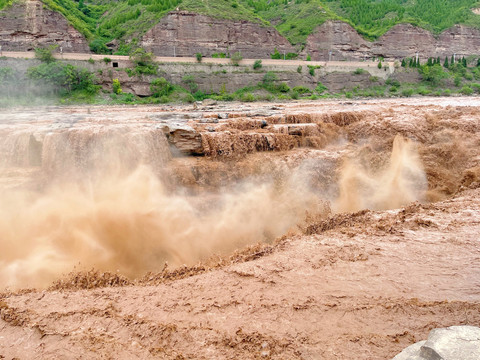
[(367, 65)]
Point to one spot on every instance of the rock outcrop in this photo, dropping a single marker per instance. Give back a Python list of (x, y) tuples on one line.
[(402, 40), (340, 39), (452, 343), (28, 24), (183, 33)]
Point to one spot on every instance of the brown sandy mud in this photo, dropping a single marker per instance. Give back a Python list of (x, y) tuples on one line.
[(325, 230)]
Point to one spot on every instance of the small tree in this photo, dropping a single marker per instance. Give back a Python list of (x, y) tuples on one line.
[(236, 58), (141, 58), (433, 74), (199, 57), (404, 63), (445, 63), (452, 60), (117, 89), (160, 87), (464, 62), (257, 64), (379, 64), (276, 55), (309, 57), (429, 62), (45, 54)]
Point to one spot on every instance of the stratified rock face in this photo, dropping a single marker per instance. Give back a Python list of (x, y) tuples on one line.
[(182, 33), (340, 39), (458, 39), (402, 40), (27, 24)]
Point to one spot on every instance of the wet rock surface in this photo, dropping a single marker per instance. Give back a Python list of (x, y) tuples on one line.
[(452, 343)]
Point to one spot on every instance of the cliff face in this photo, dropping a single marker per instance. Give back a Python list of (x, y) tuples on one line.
[(340, 39), (185, 34), (27, 24), (402, 40)]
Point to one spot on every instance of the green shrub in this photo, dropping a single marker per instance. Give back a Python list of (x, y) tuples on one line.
[(466, 90), (301, 89), (98, 47), (457, 81), (320, 88), (359, 71), (257, 64), (407, 92), (423, 91), (189, 81), (91, 61), (392, 82), (6, 74), (295, 95), (45, 54), (311, 70), (219, 55), (299, 69), (309, 58), (199, 57), (160, 88), (144, 62), (379, 65), (107, 60), (475, 87), (373, 78), (236, 58), (269, 78), (276, 55), (64, 77), (433, 74), (117, 89), (248, 97), (188, 98), (283, 87)]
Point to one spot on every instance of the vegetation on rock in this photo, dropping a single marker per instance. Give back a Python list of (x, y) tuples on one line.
[(102, 21)]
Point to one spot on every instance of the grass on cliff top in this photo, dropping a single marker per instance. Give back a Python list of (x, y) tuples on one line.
[(105, 20), (296, 19), (223, 9)]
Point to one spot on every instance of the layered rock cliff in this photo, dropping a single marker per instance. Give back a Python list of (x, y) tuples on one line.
[(183, 33), (402, 40), (28, 24)]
